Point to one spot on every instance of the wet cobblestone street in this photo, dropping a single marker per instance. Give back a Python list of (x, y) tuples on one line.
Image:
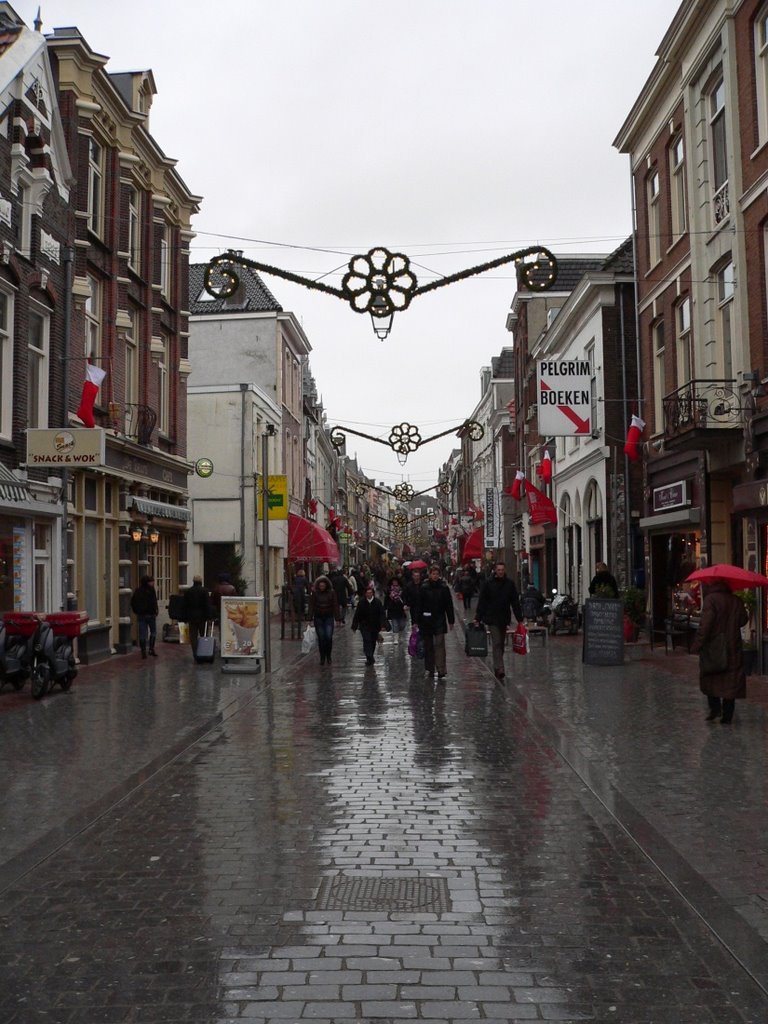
[(349, 843)]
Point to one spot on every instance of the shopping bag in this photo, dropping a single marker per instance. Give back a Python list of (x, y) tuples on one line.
[(520, 639), (415, 644), (309, 640), (475, 641)]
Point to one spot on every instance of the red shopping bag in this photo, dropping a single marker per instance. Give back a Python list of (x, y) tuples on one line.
[(520, 639)]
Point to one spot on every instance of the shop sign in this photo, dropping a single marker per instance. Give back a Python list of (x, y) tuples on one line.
[(277, 498), (78, 447), (564, 397), (672, 496), (492, 518)]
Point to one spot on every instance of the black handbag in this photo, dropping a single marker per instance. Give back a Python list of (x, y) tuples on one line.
[(475, 641), (713, 656)]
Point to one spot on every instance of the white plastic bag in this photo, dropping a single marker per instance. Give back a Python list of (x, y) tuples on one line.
[(309, 640)]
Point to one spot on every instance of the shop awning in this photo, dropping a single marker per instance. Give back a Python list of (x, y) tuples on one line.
[(308, 542), (474, 546), (379, 545), (11, 488), (162, 509)]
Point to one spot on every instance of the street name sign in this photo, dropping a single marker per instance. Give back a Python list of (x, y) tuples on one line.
[(564, 397)]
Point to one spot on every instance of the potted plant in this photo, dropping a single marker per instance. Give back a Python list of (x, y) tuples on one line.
[(634, 613)]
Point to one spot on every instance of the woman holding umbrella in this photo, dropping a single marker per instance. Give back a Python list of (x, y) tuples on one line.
[(718, 643)]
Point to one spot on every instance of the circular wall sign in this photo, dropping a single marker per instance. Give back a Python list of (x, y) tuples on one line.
[(204, 467)]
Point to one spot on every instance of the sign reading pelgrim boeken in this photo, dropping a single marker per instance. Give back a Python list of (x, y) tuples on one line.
[(564, 397)]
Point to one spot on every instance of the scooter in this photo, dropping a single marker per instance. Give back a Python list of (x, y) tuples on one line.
[(564, 614), (54, 653), (17, 632)]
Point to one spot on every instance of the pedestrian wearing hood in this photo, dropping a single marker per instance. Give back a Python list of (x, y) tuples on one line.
[(722, 616), (343, 590), (435, 619), (370, 619), (394, 607), (498, 600), (324, 610), (144, 607)]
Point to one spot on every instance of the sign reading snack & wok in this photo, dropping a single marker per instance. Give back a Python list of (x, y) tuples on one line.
[(79, 446), (242, 627)]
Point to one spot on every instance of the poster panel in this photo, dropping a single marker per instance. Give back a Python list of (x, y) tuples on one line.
[(242, 627)]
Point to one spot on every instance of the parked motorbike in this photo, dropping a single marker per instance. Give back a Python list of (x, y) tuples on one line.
[(564, 614), (17, 632), (54, 655)]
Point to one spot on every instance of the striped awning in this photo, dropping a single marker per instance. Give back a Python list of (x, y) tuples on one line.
[(11, 488), (162, 509)]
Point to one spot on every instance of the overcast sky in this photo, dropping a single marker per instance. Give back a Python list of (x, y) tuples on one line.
[(450, 130)]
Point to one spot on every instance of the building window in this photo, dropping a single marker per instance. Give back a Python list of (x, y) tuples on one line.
[(95, 186), (93, 320), (659, 375), (718, 151), (163, 385), (131, 370), (725, 293), (6, 364), (24, 233), (654, 219), (677, 177), (165, 266), (684, 361), (134, 233), (37, 370), (761, 74)]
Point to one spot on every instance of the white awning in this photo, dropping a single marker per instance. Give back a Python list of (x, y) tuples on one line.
[(162, 510), (11, 488)]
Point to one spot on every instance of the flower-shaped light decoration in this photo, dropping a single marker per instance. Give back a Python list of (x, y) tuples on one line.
[(379, 283), (403, 492), (360, 490), (221, 280), (401, 520), (475, 430), (537, 271), (368, 518), (337, 440), (404, 438), (445, 487)]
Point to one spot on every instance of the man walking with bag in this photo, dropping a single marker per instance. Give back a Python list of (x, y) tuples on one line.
[(498, 600)]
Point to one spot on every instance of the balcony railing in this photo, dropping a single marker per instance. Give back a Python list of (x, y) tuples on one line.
[(702, 405), (722, 203), (140, 421)]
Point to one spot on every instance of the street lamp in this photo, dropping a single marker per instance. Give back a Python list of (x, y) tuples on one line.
[(137, 532), (382, 316)]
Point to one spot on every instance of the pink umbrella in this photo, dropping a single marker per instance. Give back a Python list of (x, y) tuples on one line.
[(419, 564), (736, 577)]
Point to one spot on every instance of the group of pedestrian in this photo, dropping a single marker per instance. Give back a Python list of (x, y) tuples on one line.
[(198, 607)]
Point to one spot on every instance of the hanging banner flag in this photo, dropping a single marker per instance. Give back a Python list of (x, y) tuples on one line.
[(492, 518), (634, 434), (564, 397), (540, 508), (546, 467), (94, 377)]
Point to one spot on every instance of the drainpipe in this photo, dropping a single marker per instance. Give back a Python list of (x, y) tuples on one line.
[(67, 257), (243, 391), (627, 505)]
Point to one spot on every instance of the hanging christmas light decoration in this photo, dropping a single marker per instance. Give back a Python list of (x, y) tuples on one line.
[(405, 438), (381, 282)]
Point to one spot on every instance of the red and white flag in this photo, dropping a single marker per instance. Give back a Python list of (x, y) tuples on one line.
[(94, 377), (546, 467), (632, 444), (541, 509), (516, 490)]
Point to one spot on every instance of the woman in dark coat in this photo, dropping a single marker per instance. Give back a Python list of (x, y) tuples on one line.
[(324, 609), (369, 618), (722, 613)]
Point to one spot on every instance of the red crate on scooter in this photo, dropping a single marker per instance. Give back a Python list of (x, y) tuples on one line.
[(67, 623), (21, 623)]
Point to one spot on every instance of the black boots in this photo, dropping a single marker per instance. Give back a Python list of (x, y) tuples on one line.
[(152, 650), (143, 647)]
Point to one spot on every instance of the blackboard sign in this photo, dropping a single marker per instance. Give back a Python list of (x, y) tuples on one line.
[(603, 631)]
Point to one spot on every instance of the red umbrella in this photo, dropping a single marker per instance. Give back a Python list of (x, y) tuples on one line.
[(736, 577), (418, 564)]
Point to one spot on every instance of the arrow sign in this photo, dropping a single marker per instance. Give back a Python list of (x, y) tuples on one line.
[(564, 397)]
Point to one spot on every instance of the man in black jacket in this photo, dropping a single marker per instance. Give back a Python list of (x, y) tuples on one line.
[(435, 618), (498, 599), (197, 611)]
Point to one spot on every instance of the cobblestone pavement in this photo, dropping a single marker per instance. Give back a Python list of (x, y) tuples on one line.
[(351, 843)]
